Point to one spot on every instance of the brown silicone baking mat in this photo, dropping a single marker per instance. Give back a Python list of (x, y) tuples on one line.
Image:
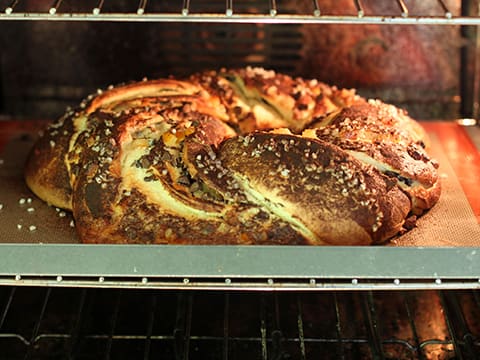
[(26, 219)]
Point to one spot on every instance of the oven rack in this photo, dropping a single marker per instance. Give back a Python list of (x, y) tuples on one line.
[(270, 13), (110, 324)]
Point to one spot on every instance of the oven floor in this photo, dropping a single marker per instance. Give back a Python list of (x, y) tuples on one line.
[(76, 323)]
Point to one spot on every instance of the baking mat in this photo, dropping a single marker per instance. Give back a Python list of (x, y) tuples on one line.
[(26, 219), (451, 222)]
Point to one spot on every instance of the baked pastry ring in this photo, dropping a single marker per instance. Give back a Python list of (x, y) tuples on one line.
[(245, 156)]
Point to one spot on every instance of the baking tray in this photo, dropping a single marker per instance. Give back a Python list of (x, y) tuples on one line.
[(39, 246)]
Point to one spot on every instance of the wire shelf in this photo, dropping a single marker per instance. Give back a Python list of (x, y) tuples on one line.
[(231, 12), (117, 324)]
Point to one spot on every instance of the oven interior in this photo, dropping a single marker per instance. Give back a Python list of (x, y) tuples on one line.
[(421, 56), (73, 323)]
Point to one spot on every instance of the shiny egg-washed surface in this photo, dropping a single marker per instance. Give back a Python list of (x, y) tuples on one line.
[(244, 156)]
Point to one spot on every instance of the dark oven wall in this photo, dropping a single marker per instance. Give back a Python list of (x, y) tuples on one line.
[(47, 66)]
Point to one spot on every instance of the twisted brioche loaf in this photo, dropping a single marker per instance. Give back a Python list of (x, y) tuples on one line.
[(235, 157)]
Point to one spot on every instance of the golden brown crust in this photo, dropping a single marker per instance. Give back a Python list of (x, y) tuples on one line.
[(45, 171), (331, 197), (257, 99), (243, 156), (386, 138)]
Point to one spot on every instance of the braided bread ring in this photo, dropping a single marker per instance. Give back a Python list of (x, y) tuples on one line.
[(244, 156)]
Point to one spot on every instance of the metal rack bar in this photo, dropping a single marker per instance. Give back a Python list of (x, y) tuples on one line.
[(141, 7), (263, 327), (371, 324), (276, 332), (53, 9), (403, 8), (113, 323), (228, 16), (359, 6), (455, 319), (411, 321), (447, 12), (338, 327), (257, 283), (301, 334), (7, 307), (150, 323), (96, 10), (76, 328), (226, 325), (183, 323), (247, 284), (316, 8), (188, 327), (96, 15), (229, 8), (36, 328), (9, 9), (450, 327), (273, 8), (185, 7)]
